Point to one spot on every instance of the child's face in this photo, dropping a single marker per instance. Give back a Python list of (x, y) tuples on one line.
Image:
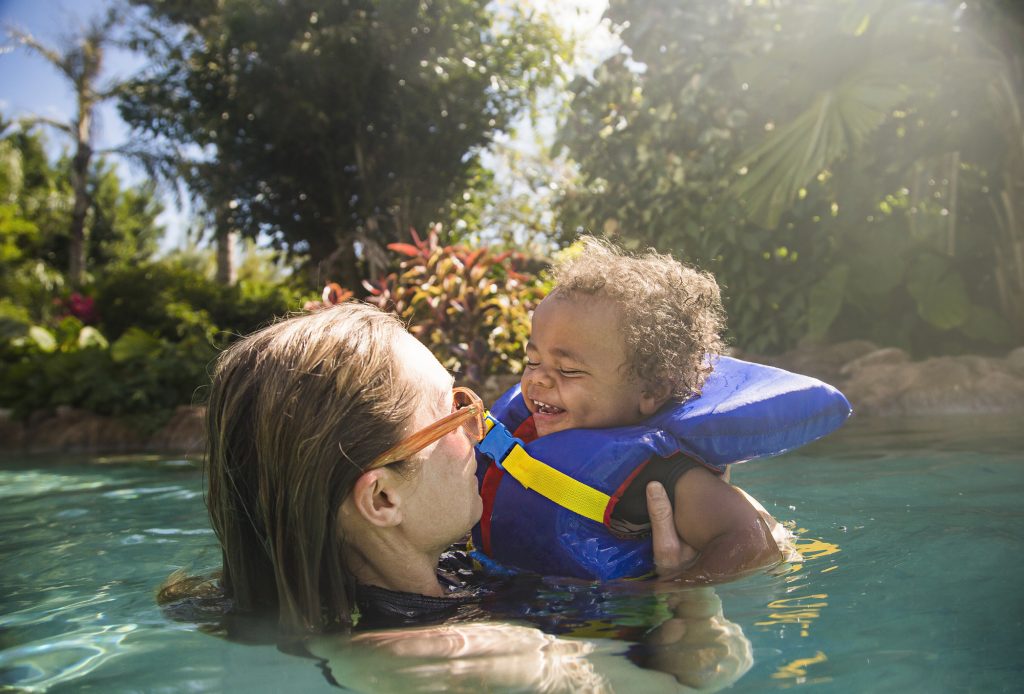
[(576, 374)]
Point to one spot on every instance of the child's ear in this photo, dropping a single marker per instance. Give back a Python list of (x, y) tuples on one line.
[(653, 396)]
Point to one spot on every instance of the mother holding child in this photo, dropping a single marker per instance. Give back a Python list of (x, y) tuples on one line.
[(341, 465)]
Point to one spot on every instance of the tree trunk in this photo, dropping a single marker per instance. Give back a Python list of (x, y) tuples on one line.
[(348, 266), (227, 268), (226, 239), (79, 183)]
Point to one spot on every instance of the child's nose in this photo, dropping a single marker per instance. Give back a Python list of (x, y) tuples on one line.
[(541, 377)]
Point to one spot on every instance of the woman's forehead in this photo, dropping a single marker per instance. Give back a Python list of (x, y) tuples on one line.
[(423, 369)]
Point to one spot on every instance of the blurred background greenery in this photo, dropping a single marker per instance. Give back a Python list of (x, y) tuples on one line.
[(847, 169)]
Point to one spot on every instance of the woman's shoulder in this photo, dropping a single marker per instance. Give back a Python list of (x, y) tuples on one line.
[(380, 607)]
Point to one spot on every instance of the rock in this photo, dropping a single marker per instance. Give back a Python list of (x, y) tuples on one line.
[(886, 355), (822, 361), (878, 382), (184, 433), (936, 386), (12, 432), (67, 430), (1015, 360), (78, 431)]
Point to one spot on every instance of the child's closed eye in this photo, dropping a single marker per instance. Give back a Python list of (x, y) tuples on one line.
[(571, 373)]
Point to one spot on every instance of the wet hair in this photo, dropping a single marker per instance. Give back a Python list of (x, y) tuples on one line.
[(671, 315), (296, 411)]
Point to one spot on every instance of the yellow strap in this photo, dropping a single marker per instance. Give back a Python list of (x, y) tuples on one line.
[(554, 485)]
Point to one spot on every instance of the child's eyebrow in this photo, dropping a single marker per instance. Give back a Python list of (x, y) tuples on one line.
[(561, 352)]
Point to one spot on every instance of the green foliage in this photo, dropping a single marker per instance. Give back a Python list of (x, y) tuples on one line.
[(123, 228), (174, 301), (139, 376), (470, 307), (845, 168), (161, 324), (35, 202), (334, 125)]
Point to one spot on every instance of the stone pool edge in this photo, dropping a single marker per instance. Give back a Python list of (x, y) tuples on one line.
[(879, 382)]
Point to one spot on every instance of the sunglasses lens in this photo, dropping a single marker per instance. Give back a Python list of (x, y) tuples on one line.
[(474, 427), (462, 399)]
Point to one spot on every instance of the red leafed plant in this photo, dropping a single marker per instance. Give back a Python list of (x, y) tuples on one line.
[(333, 294), (471, 307)]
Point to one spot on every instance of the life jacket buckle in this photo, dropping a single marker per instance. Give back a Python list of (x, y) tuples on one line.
[(498, 442)]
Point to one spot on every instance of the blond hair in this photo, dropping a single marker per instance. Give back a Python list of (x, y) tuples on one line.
[(671, 315), (296, 411)]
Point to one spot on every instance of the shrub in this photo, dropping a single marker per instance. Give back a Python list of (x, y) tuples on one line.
[(159, 324), (139, 376), (470, 307), (173, 301)]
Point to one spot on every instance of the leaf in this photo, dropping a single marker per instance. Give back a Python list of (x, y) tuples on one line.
[(473, 257), (826, 300), (405, 249), (91, 337), (838, 121), (135, 344), (43, 338), (939, 291), (873, 274), (983, 323), (11, 328)]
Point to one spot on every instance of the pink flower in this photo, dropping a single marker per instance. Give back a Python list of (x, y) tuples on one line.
[(80, 306)]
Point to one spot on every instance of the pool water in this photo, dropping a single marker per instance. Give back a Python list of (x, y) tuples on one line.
[(913, 534)]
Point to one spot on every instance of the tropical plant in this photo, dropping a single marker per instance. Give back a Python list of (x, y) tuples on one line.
[(139, 377), (470, 307), (35, 206), (837, 164), (331, 126), (174, 301)]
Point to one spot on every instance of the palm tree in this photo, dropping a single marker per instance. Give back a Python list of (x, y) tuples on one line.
[(80, 60)]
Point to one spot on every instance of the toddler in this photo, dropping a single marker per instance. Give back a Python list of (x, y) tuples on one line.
[(619, 337)]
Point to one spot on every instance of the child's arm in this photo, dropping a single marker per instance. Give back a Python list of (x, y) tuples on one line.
[(716, 520)]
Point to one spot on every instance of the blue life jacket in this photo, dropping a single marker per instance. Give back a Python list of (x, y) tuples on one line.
[(745, 411)]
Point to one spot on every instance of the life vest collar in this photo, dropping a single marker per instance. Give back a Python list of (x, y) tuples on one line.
[(509, 454)]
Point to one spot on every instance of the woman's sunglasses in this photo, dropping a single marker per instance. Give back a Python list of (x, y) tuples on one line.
[(468, 413)]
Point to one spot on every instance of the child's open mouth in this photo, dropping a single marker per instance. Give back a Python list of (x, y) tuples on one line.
[(544, 408)]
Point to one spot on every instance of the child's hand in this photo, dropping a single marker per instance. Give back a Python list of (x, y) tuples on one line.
[(671, 554)]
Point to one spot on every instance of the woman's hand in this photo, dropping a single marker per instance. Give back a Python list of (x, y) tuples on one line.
[(698, 645), (671, 555)]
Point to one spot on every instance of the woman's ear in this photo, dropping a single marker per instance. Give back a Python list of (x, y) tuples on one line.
[(377, 498), (653, 396)]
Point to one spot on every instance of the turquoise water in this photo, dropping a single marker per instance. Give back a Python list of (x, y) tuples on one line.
[(913, 534)]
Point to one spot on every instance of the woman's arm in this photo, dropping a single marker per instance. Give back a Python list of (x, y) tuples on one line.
[(714, 519)]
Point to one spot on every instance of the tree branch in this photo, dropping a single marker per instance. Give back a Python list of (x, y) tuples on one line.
[(29, 121), (29, 41)]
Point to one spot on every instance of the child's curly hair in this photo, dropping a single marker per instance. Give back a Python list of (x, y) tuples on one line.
[(672, 315)]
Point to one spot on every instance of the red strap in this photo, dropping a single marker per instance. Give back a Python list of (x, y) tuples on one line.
[(527, 431), (617, 496), (488, 490)]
